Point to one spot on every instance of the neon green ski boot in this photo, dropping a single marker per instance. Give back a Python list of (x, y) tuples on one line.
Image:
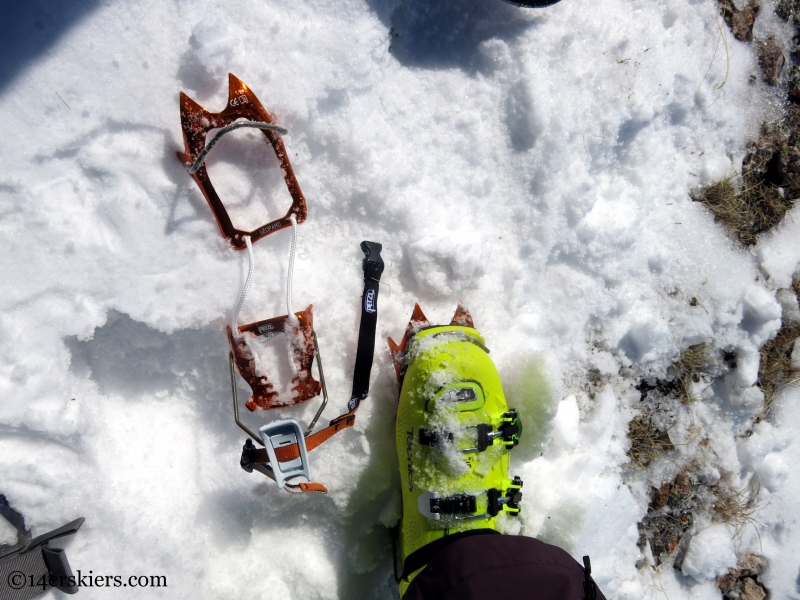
[(454, 433)]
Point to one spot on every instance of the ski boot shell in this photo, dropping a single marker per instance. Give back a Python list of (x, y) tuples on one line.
[(454, 432)]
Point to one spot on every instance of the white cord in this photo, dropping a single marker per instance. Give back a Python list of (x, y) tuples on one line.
[(290, 274), (245, 289)]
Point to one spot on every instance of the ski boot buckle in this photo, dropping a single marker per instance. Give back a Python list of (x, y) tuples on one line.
[(464, 506)]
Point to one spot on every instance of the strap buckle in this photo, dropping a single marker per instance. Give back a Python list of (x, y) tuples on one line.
[(464, 506)]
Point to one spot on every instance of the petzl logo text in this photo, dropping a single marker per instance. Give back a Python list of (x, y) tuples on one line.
[(369, 301)]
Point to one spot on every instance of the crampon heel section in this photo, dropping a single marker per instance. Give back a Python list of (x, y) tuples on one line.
[(454, 434), (283, 434), (303, 342), (284, 456), (243, 109)]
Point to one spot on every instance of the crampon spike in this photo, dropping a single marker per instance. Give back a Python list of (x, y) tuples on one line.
[(462, 317), (418, 321), (302, 343), (196, 122)]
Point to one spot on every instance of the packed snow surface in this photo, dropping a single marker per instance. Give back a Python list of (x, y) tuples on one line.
[(535, 164)]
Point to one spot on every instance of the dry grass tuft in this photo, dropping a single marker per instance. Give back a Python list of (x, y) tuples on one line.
[(775, 371), (688, 368), (747, 205), (693, 359), (736, 507), (648, 442)]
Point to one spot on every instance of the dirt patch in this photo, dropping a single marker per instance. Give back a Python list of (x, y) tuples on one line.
[(775, 370), (668, 518), (756, 199), (771, 60), (740, 21), (746, 205)]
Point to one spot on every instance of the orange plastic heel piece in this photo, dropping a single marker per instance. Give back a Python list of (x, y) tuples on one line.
[(300, 488)]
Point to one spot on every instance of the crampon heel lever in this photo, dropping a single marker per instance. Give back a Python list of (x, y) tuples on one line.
[(278, 435)]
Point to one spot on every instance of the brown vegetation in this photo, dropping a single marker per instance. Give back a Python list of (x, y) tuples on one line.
[(775, 370), (647, 441)]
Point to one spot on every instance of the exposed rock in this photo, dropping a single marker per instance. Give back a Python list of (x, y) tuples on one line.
[(740, 21), (794, 84), (771, 60), (742, 582), (752, 590), (729, 584), (752, 565)]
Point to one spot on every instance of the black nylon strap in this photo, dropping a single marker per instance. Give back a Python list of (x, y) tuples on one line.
[(67, 529), (373, 269)]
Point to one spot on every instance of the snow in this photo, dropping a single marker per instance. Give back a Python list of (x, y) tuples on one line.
[(535, 164), (711, 553)]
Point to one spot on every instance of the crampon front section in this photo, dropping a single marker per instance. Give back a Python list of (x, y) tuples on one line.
[(197, 122)]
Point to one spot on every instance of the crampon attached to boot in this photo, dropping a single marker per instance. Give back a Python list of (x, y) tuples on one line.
[(454, 432)]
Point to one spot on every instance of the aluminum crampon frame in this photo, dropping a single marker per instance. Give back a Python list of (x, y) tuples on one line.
[(304, 348), (196, 123)]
